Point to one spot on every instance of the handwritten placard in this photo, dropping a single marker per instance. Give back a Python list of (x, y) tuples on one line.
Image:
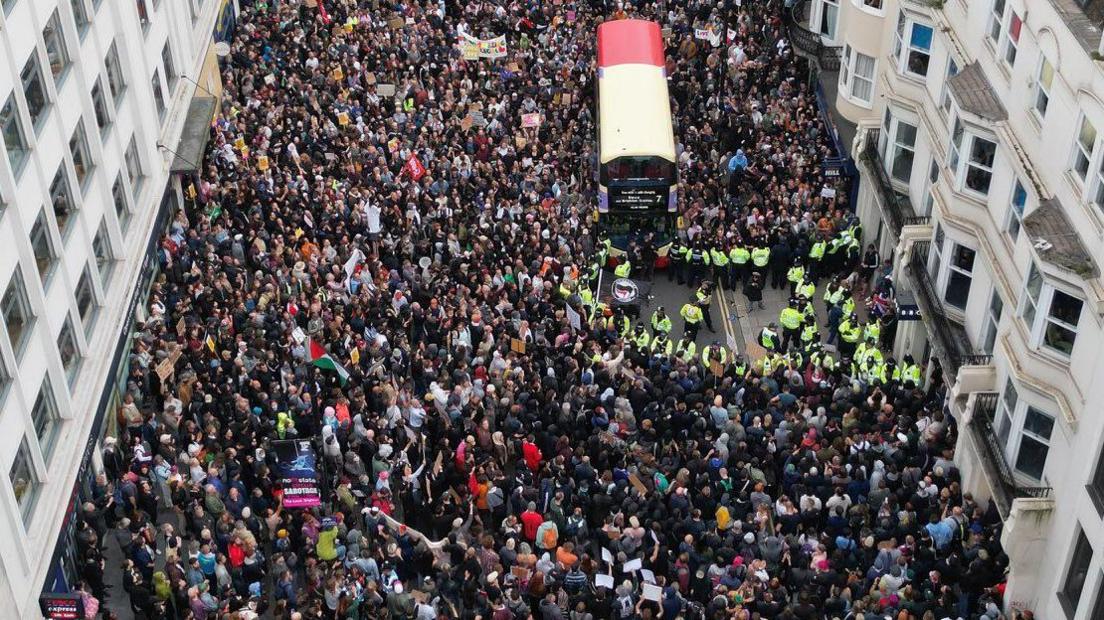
[(262, 163), (517, 345), (533, 119)]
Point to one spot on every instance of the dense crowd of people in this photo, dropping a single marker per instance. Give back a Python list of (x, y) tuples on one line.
[(490, 444)]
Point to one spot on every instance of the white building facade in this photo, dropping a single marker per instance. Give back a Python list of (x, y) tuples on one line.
[(980, 144), (94, 98)]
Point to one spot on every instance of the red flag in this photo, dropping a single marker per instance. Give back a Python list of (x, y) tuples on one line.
[(322, 12), (414, 168)]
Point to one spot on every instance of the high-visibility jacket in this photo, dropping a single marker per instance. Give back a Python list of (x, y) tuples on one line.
[(702, 298), (623, 269), (796, 274), (833, 296), (604, 251), (564, 291), (739, 255), (661, 345), (790, 318), (911, 372), (768, 338), (806, 289), (809, 333), (816, 252), (692, 313), (795, 358), (661, 325), (760, 257), (586, 296), (697, 257), (718, 256), (641, 340), (849, 305), (714, 351), (677, 252), (849, 332), (809, 312), (872, 331), (625, 328), (740, 369), (686, 350)]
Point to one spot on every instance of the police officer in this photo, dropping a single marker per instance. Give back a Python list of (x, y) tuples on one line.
[(685, 350), (641, 340), (719, 258), (661, 323), (760, 256), (697, 260), (623, 269), (768, 338), (676, 256), (662, 345), (692, 317), (704, 298), (791, 320), (795, 275), (809, 334), (714, 353), (739, 365), (816, 256), (738, 270), (850, 332)]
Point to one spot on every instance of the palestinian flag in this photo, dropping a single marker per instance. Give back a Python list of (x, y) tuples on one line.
[(325, 361)]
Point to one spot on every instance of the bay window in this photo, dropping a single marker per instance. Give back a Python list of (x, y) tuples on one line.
[(857, 76), (1024, 432), (828, 17), (960, 274), (974, 172), (897, 145), (1051, 315), (912, 46), (992, 322)]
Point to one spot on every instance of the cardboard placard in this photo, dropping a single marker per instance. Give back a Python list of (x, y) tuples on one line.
[(385, 90), (239, 143), (181, 325), (520, 572), (337, 74), (396, 23), (716, 368), (270, 79), (262, 163), (566, 99), (637, 484), (533, 119), (467, 123), (369, 78), (343, 118), (520, 142), (517, 345), (602, 580)]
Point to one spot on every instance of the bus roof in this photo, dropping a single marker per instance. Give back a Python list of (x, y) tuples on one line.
[(633, 105), (630, 41)]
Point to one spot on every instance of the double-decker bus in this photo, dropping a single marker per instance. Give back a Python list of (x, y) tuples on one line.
[(637, 182)]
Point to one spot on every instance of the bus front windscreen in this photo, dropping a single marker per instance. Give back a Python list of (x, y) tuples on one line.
[(639, 169)]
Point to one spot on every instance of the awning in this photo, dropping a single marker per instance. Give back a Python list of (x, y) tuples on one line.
[(194, 136)]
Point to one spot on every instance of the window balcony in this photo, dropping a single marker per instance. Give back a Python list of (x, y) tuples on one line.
[(948, 338), (1002, 481), (896, 207), (809, 43)]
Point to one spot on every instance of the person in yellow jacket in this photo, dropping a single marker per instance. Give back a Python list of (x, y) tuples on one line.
[(719, 258), (704, 297), (692, 318), (816, 256), (714, 352), (661, 323), (850, 332), (760, 256), (805, 289), (623, 269), (685, 350), (791, 320), (738, 273), (641, 339), (768, 338), (662, 345), (795, 276)]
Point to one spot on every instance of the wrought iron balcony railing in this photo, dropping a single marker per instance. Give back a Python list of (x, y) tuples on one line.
[(948, 339), (809, 42), (1003, 481), (896, 207)]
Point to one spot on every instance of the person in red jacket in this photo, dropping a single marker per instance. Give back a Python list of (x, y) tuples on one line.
[(531, 521), (531, 453)]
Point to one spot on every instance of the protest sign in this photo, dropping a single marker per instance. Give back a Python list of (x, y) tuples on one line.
[(297, 473), (262, 163), (472, 48), (533, 119)]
